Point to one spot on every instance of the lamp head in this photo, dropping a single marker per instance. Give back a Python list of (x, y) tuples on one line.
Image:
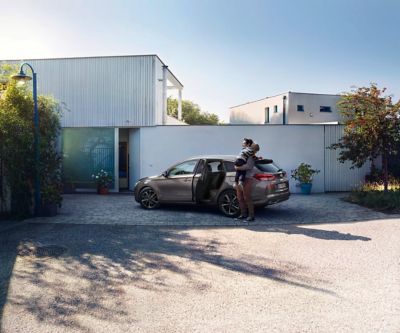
[(21, 76)]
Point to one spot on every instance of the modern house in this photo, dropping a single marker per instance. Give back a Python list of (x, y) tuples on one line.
[(106, 100), (288, 108)]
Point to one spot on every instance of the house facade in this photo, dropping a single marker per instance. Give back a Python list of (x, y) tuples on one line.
[(288, 108), (105, 101)]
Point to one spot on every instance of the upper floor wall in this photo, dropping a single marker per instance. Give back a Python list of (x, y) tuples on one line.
[(288, 108), (120, 91)]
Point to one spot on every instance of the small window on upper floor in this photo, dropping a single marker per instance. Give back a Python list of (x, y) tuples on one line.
[(325, 109), (300, 108), (275, 108)]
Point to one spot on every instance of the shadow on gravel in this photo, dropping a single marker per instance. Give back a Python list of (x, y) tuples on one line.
[(91, 278), (310, 232)]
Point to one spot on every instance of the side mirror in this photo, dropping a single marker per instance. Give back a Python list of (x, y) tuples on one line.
[(165, 174)]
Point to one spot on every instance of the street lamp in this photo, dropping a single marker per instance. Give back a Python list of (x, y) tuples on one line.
[(22, 77)]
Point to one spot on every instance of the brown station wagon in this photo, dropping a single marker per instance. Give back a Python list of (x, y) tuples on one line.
[(208, 180)]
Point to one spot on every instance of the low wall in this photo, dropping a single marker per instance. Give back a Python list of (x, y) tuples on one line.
[(287, 145)]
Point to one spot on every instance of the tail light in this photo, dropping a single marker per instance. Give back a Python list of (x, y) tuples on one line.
[(264, 176)]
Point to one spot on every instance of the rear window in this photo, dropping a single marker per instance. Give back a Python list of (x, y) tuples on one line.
[(267, 166)]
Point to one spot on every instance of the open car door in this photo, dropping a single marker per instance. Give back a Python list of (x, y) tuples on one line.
[(210, 177)]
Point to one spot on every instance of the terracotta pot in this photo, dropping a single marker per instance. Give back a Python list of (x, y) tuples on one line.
[(102, 190)]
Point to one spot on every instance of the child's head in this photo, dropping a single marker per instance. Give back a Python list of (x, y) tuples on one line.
[(247, 142)]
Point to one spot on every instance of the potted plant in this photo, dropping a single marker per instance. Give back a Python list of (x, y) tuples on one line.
[(103, 179), (51, 199), (304, 175)]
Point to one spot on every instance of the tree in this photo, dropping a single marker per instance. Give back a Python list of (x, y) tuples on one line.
[(16, 145), (191, 113), (372, 127)]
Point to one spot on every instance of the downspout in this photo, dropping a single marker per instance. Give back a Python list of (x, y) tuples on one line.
[(284, 110), (164, 95)]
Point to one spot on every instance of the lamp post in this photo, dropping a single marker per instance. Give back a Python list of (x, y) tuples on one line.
[(23, 77)]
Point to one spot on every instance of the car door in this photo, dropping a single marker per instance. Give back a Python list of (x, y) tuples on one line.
[(177, 184)]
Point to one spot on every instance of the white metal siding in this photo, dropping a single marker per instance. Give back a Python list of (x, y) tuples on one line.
[(103, 91), (339, 176)]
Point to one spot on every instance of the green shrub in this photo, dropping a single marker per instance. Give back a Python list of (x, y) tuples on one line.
[(379, 200)]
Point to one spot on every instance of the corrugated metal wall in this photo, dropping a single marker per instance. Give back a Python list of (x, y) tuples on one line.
[(101, 91), (339, 176)]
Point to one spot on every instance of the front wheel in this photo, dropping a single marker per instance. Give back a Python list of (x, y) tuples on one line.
[(228, 203), (148, 198)]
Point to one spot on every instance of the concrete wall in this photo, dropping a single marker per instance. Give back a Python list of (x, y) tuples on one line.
[(287, 145), (312, 103), (255, 112), (135, 156)]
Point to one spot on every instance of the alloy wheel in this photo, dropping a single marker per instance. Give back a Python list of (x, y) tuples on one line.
[(148, 198), (228, 203)]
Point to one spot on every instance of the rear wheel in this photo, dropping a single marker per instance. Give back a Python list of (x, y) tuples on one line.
[(148, 198), (228, 203)]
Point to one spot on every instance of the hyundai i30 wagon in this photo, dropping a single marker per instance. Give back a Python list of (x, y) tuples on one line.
[(208, 180)]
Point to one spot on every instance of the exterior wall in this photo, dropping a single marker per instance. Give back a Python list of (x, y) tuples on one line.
[(101, 91), (135, 156), (312, 103), (250, 113), (287, 145), (254, 112), (337, 178)]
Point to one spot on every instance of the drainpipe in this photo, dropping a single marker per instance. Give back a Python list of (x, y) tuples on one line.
[(164, 95), (284, 110)]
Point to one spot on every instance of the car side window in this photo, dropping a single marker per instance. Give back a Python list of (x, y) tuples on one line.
[(185, 168), (229, 166)]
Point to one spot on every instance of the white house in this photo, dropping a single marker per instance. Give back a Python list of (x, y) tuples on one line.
[(106, 100), (288, 108)]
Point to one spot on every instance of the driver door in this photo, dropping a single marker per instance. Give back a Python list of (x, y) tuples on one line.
[(177, 185)]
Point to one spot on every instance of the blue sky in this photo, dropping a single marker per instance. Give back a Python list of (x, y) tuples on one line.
[(225, 52)]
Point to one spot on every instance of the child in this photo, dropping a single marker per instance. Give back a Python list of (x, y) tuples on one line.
[(246, 152)]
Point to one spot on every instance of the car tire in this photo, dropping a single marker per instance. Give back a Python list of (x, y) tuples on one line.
[(148, 198), (228, 203)]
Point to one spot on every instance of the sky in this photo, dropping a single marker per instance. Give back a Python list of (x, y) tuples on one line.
[(225, 52)]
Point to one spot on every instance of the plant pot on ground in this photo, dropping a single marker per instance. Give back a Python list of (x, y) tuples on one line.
[(303, 174), (103, 179)]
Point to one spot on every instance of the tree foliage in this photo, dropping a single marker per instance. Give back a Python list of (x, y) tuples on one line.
[(372, 127), (17, 146), (191, 113)]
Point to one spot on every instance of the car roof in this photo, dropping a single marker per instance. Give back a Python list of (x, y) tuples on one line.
[(211, 157)]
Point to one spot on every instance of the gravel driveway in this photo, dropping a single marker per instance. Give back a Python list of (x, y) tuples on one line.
[(71, 277)]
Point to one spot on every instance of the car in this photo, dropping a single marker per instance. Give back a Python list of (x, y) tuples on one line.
[(208, 180)]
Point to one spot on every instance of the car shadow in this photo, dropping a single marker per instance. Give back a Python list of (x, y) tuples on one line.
[(101, 261)]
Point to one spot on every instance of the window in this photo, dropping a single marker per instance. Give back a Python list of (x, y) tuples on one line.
[(185, 168), (229, 166), (275, 108), (266, 115), (325, 109), (300, 108)]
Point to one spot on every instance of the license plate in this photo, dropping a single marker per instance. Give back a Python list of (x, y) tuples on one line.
[(282, 185)]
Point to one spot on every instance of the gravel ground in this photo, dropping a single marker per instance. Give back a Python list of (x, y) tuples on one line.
[(265, 278)]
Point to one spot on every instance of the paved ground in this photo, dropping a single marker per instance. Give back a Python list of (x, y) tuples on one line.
[(124, 210), (270, 277)]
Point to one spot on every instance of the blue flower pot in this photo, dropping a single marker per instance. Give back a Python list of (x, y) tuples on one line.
[(305, 188)]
